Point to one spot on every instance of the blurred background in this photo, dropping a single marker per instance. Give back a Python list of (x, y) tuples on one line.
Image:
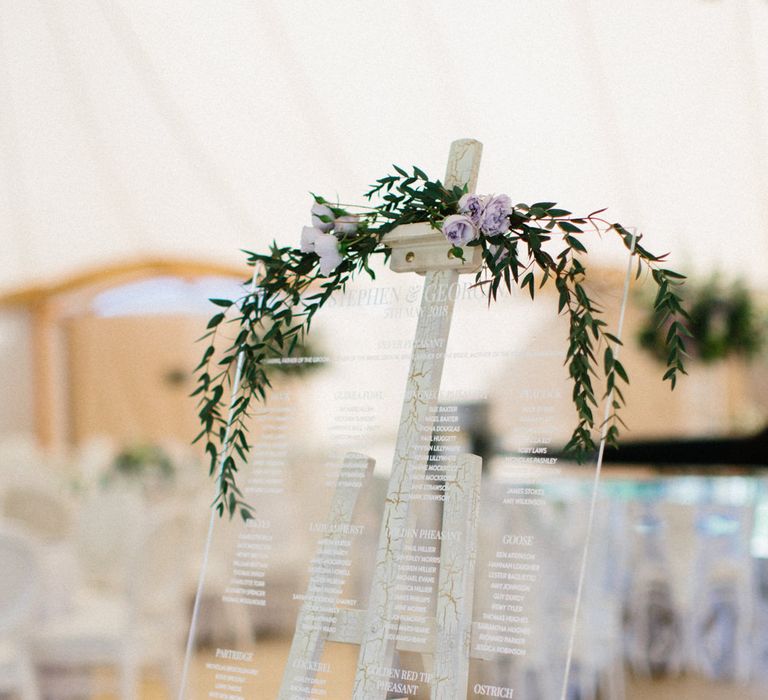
[(145, 144)]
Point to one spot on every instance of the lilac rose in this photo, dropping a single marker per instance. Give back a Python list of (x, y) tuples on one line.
[(321, 210), (495, 216), (472, 205), (459, 229)]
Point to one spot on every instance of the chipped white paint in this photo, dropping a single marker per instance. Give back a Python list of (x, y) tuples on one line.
[(411, 449), (309, 637), (349, 626), (453, 628)]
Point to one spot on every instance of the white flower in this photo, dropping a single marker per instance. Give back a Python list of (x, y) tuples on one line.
[(349, 223), (321, 210), (327, 247), (309, 235)]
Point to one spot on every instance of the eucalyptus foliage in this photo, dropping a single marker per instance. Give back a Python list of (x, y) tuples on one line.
[(272, 322)]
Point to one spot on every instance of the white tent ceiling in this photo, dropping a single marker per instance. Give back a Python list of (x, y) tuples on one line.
[(196, 128)]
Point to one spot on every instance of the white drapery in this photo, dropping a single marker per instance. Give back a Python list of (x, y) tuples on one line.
[(139, 127)]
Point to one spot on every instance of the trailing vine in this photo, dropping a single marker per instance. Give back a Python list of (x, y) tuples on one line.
[(293, 284)]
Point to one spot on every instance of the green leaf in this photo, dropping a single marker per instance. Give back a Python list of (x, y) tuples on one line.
[(232, 504), (528, 281), (206, 356), (619, 369), (575, 243), (608, 361), (215, 320), (457, 252), (245, 514), (226, 303)]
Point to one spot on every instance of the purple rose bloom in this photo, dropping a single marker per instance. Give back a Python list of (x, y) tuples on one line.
[(459, 229), (495, 217), (472, 205)]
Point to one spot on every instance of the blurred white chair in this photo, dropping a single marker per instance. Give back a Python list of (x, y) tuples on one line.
[(724, 594), (46, 513), (42, 510), (21, 458), (93, 460), (19, 594), (654, 624), (143, 627), (110, 525)]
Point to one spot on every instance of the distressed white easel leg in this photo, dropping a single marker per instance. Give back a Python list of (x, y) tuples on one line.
[(309, 638), (411, 454), (453, 628), (411, 450)]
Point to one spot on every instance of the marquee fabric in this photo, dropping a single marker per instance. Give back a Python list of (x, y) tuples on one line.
[(196, 128)]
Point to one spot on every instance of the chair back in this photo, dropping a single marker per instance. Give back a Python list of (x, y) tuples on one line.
[(109, 531), (42, 511), (19, 580), (161, 569)]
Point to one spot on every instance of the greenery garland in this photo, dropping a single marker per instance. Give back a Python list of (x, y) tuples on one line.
[(294, 283), (141, 460), (724, 321)]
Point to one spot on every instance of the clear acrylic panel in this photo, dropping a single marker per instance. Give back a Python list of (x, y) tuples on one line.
[(470, 583)]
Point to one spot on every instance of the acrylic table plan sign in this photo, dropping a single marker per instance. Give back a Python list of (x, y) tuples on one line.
[(377, 563), (381, 630)]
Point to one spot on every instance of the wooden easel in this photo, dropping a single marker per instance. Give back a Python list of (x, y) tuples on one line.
[(415, 248)]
